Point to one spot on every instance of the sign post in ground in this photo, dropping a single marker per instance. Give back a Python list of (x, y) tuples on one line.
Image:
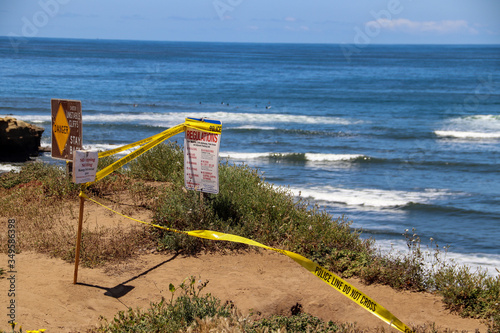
[(78, 240), (66, 139)]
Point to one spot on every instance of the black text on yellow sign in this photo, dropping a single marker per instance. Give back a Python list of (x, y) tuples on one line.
[(66, 128)]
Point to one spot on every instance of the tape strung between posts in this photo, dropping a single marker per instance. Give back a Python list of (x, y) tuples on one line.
[(149, 143), (326, 276), (190, 123)]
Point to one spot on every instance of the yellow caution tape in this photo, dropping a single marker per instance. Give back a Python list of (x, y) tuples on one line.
[(130, 145), (214, 127), (325, 275), (124, 160)]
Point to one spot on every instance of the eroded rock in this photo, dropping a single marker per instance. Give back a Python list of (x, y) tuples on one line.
[(19, 140)]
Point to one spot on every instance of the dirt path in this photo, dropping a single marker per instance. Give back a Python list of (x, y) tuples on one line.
[(264, 282)]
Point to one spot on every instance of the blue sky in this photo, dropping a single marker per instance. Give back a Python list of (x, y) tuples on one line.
[(295, 21)]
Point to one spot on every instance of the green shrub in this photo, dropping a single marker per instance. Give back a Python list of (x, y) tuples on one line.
[(472, 294), (165, 163), (191, 312), (302, 322), (401, 271), (182, 210), (170, 316), (250, 207)]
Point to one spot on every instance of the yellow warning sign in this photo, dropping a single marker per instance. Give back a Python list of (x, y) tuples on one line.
[(66, 128), (61, 129)]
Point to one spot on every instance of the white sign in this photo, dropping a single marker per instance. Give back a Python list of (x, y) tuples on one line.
[(201, 161), (85, 166)]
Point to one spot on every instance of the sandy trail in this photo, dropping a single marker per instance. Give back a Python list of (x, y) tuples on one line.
[(265, 282)]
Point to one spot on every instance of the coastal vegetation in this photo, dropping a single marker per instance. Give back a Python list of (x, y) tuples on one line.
[(248, 206)]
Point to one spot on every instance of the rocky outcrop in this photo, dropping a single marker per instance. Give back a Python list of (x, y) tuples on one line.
[(18, 140)]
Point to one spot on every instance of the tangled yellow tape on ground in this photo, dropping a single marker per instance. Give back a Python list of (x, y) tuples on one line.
[(325, 275)]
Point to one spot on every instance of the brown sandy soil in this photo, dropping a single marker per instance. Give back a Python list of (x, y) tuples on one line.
[(264, 282)]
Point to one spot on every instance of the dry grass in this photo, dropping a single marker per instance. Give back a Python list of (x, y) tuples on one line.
[(48, 224)]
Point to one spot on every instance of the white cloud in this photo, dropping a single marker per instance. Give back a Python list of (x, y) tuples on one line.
[(290, 19), (405, 25), (301, 28)]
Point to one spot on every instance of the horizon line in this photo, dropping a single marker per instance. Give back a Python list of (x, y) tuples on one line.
[(246, 42)]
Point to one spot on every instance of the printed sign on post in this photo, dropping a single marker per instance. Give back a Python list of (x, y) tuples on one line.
[(201, 159), (66, 128), (84, 165)]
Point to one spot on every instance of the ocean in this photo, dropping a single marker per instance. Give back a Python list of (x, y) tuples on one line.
[(393, 137)]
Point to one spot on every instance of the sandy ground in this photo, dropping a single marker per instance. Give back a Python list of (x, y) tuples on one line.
[(267, 282), (264, 282)]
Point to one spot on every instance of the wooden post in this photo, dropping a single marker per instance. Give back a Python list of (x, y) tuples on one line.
[(78, 239), (69, 169)]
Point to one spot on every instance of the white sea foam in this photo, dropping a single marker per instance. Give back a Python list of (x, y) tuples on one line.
[(169, 119), (244, 156), (9, 167), (484, 122), (284, 118), (38, 119), (468, 135), (371, 198), (254, 127), (332, 157), (475, 261), (471, 127), (101, 146), (105, 147), (312, 157)]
